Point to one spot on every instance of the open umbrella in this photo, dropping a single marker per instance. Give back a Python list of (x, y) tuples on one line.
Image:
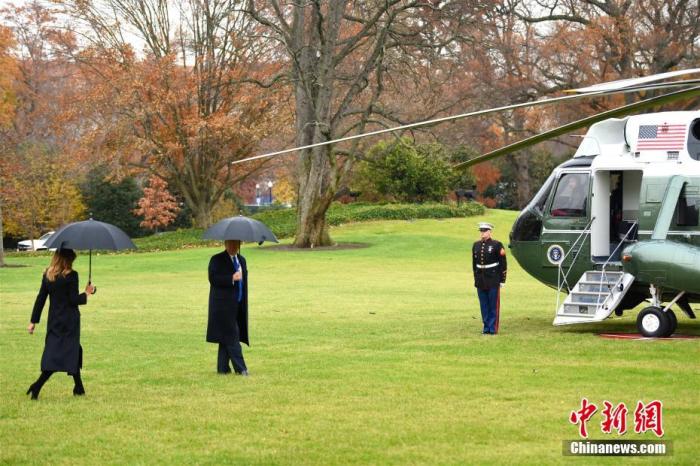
[(90, 234), (240, 228)]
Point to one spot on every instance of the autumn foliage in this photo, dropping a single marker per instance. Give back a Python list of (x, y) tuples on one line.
[(157, 206), (8, 72), (42, 196)]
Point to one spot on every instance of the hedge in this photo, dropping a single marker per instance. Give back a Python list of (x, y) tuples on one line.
[(283, 222)]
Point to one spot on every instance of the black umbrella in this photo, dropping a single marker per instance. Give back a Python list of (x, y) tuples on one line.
[(240, 228), (90, 234)]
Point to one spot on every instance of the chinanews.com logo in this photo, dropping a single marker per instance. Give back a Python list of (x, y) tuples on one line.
[(648, 417)]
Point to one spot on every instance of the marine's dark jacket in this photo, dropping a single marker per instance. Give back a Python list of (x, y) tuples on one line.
[(489, 264)]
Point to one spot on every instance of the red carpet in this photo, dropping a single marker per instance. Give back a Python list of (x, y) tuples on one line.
[(637, 336)]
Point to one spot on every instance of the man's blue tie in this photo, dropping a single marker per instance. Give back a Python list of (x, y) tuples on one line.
[(236, 266)]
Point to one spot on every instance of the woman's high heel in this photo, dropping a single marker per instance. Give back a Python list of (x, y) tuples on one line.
[(35, 388), (34, 391)]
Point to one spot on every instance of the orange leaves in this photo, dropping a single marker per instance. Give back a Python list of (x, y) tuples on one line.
[(8, 72), (157, 206), (486, 175), (176, 113)]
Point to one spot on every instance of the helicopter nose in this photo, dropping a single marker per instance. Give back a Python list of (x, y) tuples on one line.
[(527, 227)]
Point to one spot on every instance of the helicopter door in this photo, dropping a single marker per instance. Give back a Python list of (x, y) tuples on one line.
[(566, 218), (615, 207), (600, 211)]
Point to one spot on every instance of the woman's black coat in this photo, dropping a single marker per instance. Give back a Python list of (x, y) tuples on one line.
[(224, 309), (62, 350)]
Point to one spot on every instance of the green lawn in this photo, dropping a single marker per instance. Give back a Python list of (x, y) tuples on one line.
[(364, 356)]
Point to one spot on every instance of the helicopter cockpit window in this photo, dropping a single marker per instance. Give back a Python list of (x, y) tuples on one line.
[(694, 139), (571, 196), (540, 199), (528, 226), (688, 210)]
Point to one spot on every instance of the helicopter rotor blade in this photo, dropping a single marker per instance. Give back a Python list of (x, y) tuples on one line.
[(616, 112), (632, 82), (536, 103)]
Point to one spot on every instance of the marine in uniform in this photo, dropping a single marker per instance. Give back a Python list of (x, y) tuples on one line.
[(489, 266)]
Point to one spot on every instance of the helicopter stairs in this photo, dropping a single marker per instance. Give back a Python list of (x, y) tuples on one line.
[(594, 297)]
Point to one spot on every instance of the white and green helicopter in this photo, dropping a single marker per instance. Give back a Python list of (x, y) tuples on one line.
[(618, 223)]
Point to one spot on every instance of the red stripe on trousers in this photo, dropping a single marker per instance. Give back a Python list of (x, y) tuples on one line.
[(498, 307)]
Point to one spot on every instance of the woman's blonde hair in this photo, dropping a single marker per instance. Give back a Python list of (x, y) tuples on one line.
[(61, 263)]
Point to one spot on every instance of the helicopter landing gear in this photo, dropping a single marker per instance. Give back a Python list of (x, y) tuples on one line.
[(655, 321), (673, 322), (652, 322)]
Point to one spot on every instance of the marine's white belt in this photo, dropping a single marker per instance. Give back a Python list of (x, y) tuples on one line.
[(487, 266)]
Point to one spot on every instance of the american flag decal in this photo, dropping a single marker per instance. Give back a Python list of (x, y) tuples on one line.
[(661, 137)]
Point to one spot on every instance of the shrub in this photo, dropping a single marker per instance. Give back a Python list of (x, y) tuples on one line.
[(113, 202), (179, 239), (405, 172)]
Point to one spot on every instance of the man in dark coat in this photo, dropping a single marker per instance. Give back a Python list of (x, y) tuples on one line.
[(490, 267), (228, 307)]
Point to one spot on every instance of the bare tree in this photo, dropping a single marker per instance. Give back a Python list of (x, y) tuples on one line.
[(505, 72), (534, 48), (623, 38), (339, 56)]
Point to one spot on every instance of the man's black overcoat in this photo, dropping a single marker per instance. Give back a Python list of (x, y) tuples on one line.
[(224, 309), (62, 351)]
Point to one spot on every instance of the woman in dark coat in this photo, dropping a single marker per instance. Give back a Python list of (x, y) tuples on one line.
[(228, 307), (62, 350)]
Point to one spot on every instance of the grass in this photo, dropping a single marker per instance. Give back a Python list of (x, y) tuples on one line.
[(358, 356)]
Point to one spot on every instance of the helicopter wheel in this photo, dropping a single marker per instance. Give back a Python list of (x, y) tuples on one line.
[(672, 322), (653, 322)]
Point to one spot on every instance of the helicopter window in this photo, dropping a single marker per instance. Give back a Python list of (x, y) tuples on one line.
[(688, 210), (694, 140), (571, 196), (527, 227), (540, 199), (695, 129)]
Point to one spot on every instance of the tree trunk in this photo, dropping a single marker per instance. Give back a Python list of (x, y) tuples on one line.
[(202, 215), (314, 77), (311, 224), (2, 247), (520, 162), (198, 199), (316, 191)]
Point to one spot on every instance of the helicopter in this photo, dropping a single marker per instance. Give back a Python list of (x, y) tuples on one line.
[(618, 223)]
